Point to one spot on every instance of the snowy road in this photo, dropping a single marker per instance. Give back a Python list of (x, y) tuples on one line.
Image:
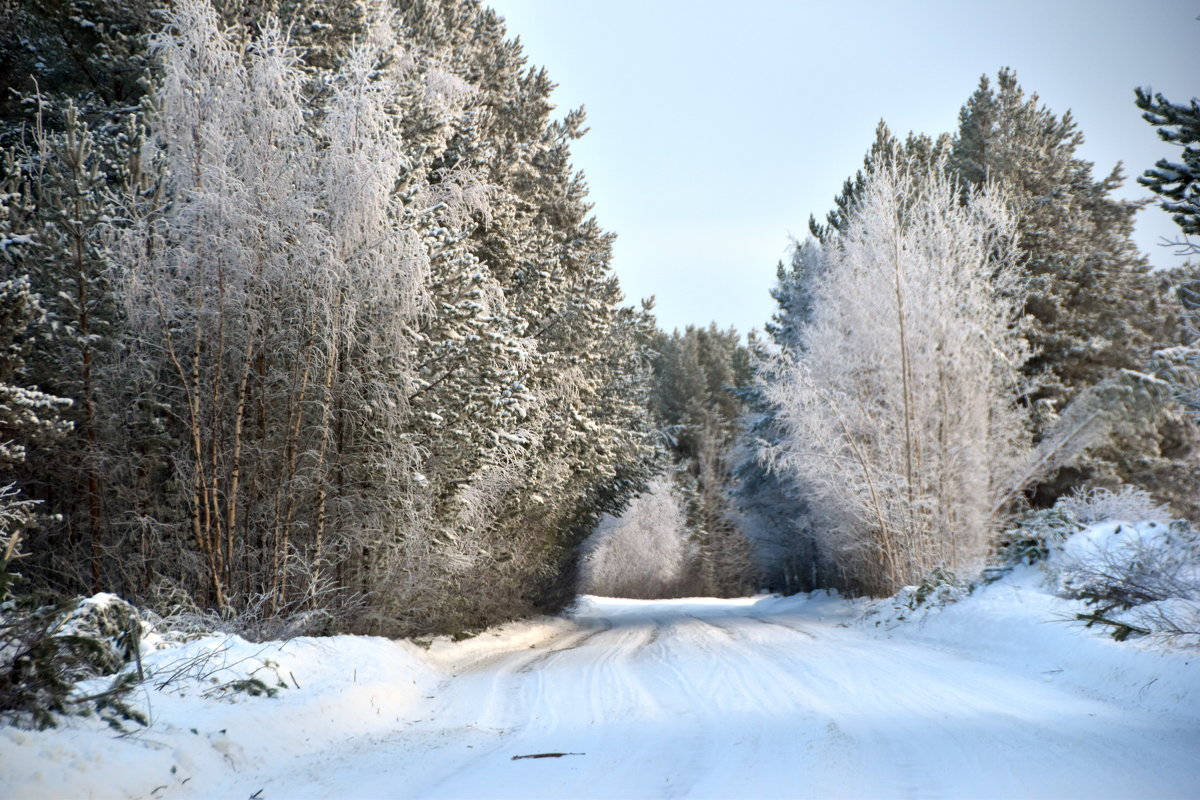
[(722, 699)]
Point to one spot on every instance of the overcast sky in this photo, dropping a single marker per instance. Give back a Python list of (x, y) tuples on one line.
[(717, 128)]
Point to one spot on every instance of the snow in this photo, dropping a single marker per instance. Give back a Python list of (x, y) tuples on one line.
[(13, 239), (1000, 694)]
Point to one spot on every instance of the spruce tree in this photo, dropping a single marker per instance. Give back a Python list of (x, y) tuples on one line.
[(770, 503), (697, 373)]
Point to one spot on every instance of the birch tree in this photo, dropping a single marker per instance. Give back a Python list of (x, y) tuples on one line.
[(900, 411), (277, 288)]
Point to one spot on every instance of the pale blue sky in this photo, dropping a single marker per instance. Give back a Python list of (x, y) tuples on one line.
[(718, 128)]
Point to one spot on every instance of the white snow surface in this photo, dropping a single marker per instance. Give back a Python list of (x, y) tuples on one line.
[(998, 695)]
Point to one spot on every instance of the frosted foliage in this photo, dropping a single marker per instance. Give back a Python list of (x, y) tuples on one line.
[(280, 287), (1126, 504), (363, 160), (1147, 571), (641, 553), (900, 413)]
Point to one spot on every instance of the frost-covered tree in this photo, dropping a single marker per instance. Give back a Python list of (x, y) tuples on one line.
[(641, 553), (697, 373), (275, 288), (770, 503), (794, 294), (900, 412), (28, 418)]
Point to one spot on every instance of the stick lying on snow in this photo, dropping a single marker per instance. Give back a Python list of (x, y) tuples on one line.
[(548, 755)]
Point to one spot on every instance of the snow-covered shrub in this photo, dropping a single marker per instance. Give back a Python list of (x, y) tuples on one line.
[(1127, 503), (109, 628), (46, 649), (1122, 564), (216, 667), (1036, 534), (1039, 532), (1147, 572), (644, 552), (939, 587)]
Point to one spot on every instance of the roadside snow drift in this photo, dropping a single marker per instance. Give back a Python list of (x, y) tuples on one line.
[(999, 695)]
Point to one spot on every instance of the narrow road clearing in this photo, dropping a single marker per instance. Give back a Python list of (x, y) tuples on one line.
[(718, 699)]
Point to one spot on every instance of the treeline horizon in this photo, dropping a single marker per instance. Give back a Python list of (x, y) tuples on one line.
[(305, 318)]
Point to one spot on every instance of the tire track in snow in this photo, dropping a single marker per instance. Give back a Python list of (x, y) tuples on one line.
[(580, 640), (781, 624), (723, 701)]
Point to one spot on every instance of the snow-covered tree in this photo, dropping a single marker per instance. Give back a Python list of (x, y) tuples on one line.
[(65, 178), (358, 335), (770, 503), (276, 286), (1177, 182), (588, 445), (900, 412), (885, 148), (642, 553), (1094, 310), (697, 373), (28, 417), (1088, 283)]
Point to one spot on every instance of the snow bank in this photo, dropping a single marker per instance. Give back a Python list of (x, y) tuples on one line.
[(221, 704), (1018, 622)]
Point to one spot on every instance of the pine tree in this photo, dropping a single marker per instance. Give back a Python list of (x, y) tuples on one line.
[(1088, 278), (1177, 182), (590, 446), (696, 375), (883, 152), (66, 175), (89, 54), (372, 347), (276, 288), (1093, 311), (28, 418)]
